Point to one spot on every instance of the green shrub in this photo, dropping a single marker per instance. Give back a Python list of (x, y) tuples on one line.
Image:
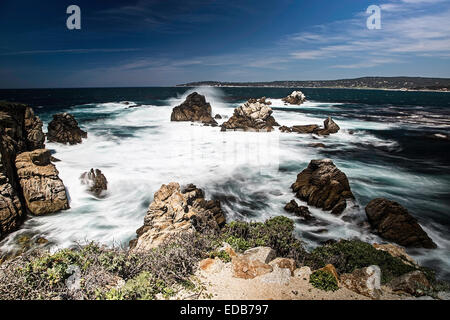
[(348, 255), (323, 280), (222, 255)]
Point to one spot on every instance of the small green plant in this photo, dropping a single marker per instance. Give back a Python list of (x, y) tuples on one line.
[(323, 280), (222, 255)]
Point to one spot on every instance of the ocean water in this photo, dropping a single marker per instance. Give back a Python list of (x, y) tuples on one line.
[(384, 147)]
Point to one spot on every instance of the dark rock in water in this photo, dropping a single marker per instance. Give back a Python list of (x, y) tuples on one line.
[(285, 129), (254, 115), (394, 223), (53, 159), (309, 128), (324, 186), (194, 108), (329, 127), (413, 283), (96, 181), (317, 145), (20, 131), (217, 116), (299, 211), (64, 129)]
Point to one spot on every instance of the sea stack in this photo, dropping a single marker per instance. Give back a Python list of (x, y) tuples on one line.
[(195, 109)]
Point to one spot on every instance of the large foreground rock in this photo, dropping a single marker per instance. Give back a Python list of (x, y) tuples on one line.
[(254, 115), (365, 281), (414, 283), (43, 190), (173, 211), (296, 97), (324, 186), (64, 129), (20, 131), (194, 108), (394, 223), (95, 181)]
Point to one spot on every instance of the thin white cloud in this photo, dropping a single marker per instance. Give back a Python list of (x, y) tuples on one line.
[(104, 50)]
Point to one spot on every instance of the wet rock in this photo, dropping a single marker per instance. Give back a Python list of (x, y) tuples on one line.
[(96, 182), (299, 211), (309, 128), (43, 190), (11, 212), (217, 116), (285, 129), (254, 115), (174, 211), (296, 97), (64, 129), (317, 145), (414, 283), (324, 186), (194, 108), (365, 281), (394, 223)]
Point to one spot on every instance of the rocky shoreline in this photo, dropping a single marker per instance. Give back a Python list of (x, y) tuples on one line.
[(185, 241)]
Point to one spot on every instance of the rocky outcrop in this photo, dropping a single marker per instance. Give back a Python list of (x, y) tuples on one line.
[(96, 182), (173, 211), (43, 190), (299, 211), (394, 223), (397, 252), (194, 108), (365, 281), (296, 97), (324, 186), (329, 127), (64, 129), (20, 131), (414, 283), (254, 115)]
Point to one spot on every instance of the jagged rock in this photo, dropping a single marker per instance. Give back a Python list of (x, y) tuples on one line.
[(96, 181), (285, 129), (173, 211), (11, 212), (296, 97), (413, 283), (20, 131), (365, 281), (394, 223), (324, 186), (396, 251), (300, 211), (194, 108), (329, 127), (64, 129), (254, 115), (43, 190), (284, 263)]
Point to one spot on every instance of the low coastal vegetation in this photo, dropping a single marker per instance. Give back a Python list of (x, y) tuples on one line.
[(92, 271)]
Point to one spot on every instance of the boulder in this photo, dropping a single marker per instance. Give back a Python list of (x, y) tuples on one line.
[(284, 263), (263, 254), (64, 129), (296, 97), (365, 281), (324, 186), (43, 190), (211, 265), (280, 276), (194, 108), (414, 283), (299, 211), (173, 211), (285, 129), (393, 222), (218, 117), (96, 182), (254, 115), (329, 127), (309, 128), (303, 273), (11, 212), (246, 268)]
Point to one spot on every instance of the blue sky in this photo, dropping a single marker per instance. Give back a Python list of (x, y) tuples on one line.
[(167, 42)]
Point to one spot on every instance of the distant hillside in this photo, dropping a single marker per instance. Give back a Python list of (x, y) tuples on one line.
[(399, 83)]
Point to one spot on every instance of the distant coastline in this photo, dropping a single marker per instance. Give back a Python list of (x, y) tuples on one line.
[(365, 83)]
